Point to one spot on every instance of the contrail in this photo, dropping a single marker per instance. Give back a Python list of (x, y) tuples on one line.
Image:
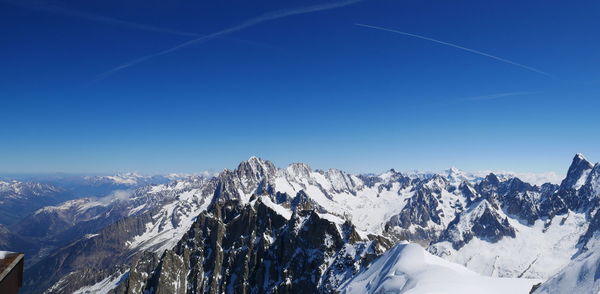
[(500, 95), (458, 47), (35, 5), (248, 23)]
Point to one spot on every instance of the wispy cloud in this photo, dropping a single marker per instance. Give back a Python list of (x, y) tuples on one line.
[(248, 23), (117, 195), (48, 7), (529, 68), (529, 177), (499, 95)]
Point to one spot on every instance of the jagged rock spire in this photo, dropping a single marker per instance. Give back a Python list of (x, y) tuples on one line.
[(579, 167)]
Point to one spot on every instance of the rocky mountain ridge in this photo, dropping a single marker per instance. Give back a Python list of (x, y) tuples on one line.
[(452, 215)]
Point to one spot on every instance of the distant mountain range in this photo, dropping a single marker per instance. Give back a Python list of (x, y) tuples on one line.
[(93, 185), (263, 229)]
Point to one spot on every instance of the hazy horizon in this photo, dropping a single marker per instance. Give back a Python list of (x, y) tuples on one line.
[(532, 177)]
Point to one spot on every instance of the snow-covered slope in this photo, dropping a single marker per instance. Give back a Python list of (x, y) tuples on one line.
[(184, 201), (408, 268), (368, 206), (420, 207), (495, 225), (550, 225), (582, 275), (536, 251)]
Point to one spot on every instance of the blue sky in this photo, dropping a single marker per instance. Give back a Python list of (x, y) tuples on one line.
[(297, 81)]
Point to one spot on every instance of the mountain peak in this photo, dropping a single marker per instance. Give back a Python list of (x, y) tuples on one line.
[(299, 170), (579, 169), (579, 159), (454, 172), (255, 161), (492, 178), (253, 171), (457, 175), (254, 158), (481, 220)]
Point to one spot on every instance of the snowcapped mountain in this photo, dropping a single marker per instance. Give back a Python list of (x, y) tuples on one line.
[(17, 199), (582, 274), (221, 233), (97, 185), (17, 189), (257, 247), (103, 185), (123, 178), (554, 218), (117, 222), (23, 194)]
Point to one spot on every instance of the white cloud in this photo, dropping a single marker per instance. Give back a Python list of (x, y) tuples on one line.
[(117, 195), (532, 178)]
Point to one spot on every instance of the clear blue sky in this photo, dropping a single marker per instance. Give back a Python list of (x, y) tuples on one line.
[(311, 87)]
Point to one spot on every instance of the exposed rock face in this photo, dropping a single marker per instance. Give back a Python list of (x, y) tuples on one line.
[(303, 202), (551, 204), (577, 171), (137, 276), (589, 193), (437, 203), (415, 219), (576, 177), (577, 194), (253, 176), (74, 262), (560, 220), (593, 228), (520, 199), (488, 187), (252, 249), (481, 221), (342, 182), (109, 232), (259, 228), (469, 191)]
